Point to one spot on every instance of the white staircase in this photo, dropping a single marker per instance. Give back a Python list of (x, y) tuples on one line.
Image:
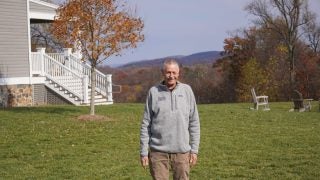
[(67, 95), (67, 76), (99, 99)]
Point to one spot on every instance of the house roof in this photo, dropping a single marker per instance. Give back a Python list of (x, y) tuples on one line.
[(40, 10)]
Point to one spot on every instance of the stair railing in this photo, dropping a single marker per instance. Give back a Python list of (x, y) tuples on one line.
[(64, 77), (103, 82), (74, 63), (59, 73)]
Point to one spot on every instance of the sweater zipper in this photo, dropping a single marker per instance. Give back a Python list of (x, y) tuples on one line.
[(171, 101)]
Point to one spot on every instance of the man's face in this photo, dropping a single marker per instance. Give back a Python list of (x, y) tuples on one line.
[(171, 75)]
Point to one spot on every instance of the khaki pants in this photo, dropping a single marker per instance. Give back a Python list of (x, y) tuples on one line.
[(160, 164)]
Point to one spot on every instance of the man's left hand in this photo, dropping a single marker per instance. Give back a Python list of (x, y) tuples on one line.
[(193, 159)]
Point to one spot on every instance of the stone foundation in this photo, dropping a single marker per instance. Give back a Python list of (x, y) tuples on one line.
[(15, 95)]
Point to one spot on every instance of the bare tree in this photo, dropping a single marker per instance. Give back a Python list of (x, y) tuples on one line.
[(312, 33), (41, 36), (285, 17)]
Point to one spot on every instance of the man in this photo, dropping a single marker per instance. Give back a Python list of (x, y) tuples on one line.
[(170, 129)]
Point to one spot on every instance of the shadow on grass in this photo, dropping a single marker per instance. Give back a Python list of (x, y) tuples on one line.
[(66, 109)]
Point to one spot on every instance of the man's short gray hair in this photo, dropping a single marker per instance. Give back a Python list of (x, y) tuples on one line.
[(169, 61)]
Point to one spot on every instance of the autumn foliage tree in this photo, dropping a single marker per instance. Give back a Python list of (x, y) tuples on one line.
[(252, 76), (239, 49), (257, 57), (100, 28), (287, 18)]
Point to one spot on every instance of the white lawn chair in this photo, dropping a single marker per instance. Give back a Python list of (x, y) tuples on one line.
[(259, 101)]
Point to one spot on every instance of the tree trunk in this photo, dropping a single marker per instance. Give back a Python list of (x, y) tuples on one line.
[(93, 89), (292, 68)]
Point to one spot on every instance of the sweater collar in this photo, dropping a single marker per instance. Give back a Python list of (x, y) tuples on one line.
[(163, 85)]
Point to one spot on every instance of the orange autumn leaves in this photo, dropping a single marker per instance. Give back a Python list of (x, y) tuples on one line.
[(100, 28)]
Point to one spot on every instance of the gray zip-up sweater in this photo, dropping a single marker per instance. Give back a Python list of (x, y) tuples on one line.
[(170, 121)]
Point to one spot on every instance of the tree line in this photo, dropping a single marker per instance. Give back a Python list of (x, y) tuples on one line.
[(278, 54)]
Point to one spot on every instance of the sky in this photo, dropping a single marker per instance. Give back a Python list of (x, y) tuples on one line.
[(184, 27)]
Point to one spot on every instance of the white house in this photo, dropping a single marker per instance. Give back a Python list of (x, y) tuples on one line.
[(34, 78)]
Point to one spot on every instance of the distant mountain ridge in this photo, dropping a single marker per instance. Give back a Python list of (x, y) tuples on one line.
[(207, 57)]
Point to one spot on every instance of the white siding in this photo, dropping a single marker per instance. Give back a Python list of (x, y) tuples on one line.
[(14, 45)]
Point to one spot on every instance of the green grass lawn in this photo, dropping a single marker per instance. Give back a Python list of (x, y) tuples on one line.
[(236, 143)]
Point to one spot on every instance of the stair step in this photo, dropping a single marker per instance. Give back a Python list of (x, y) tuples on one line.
[(96, 97), (104, 103), (89, 92), (100, 100)]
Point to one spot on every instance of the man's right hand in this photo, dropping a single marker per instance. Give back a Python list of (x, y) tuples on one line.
[(144, 161)]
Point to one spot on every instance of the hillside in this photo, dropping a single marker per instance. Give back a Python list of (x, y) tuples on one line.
[(197, 58)]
